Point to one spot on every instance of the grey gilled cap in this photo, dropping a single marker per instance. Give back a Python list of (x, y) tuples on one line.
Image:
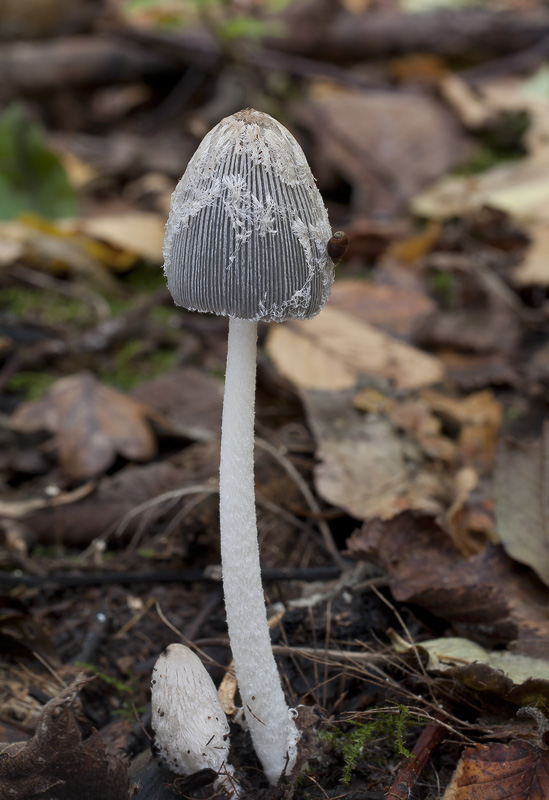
[(247, 232)]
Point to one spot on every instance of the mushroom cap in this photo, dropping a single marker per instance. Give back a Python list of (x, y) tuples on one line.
[(247, 232), (191, 729)]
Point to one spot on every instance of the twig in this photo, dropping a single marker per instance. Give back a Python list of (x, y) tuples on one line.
[(402, 786), (410, 639), (64, 580), (333, 657), (135, 619)]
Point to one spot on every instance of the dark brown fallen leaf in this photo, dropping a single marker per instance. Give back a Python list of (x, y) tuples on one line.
[(477, 330), (488, 598), (56, 763), (472, 371), (116, 497), (394, 309), (519, 770), (23, 634), (91, 423), (189, 398), (385, 144)]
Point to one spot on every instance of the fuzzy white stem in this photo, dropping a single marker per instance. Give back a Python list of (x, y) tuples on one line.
[(274, 734)]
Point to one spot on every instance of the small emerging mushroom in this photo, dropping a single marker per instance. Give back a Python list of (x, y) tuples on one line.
[(191, 729), (246, 237)]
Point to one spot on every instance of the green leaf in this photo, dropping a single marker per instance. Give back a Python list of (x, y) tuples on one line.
[(32, 178)]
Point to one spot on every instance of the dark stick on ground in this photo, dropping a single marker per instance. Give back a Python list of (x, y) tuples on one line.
[(63, 580)]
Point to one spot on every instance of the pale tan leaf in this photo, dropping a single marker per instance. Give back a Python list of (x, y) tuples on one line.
[(521, 189), (472, 111), (450, 651), (365, 465), (522, 501), (332, 350), (137, 232)]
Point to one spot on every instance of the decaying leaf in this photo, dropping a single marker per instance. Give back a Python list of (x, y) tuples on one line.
[(56, 763), (522, 497), (520, 189), (512, 676), (479, 417), (92, 423), (394, 456), (366, 465), (189, 398), (387, 144), (486, 597), (53, 247), (393, 309), (125, 501), (332, 350), (137, 232), (519, 770)]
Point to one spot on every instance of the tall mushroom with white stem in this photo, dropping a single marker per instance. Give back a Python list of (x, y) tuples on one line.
[(246, 237)]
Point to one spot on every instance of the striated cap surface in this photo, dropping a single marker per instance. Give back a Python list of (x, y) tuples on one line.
[(191, 729), (247, 232)]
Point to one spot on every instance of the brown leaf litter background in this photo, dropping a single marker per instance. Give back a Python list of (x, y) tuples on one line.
[(401, 435)]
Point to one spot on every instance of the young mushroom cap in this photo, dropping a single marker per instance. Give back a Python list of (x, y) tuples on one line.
[(191, 729), (247, 232)]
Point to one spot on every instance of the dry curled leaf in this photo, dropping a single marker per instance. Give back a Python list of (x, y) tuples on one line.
[(519, 770), (57, 763), (92, 423), (485, 597), (516, 678)]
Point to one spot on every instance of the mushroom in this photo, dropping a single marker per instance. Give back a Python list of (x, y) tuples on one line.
[(191, 729), (246, 237)]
